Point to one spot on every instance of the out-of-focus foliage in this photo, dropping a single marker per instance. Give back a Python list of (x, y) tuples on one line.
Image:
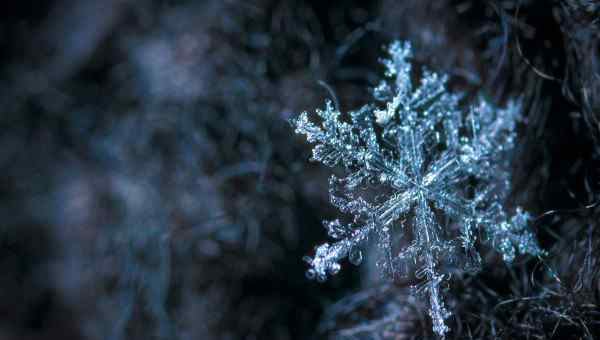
[(147, 152)]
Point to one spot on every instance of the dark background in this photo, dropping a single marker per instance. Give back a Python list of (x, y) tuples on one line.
[(151, 186)]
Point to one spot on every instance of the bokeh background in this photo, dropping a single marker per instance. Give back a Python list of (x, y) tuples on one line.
[(151, 186)]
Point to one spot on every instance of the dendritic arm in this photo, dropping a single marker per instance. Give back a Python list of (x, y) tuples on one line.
[(328, 256)]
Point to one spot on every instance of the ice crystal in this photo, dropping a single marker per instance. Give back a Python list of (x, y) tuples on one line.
[(423, 178)]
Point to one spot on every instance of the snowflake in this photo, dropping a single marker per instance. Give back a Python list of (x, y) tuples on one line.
[(422, 178)]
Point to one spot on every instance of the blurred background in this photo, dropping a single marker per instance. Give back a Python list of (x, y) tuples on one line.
[(151, 186)]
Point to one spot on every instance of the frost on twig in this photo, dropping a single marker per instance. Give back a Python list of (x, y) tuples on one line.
[(439, 173)]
